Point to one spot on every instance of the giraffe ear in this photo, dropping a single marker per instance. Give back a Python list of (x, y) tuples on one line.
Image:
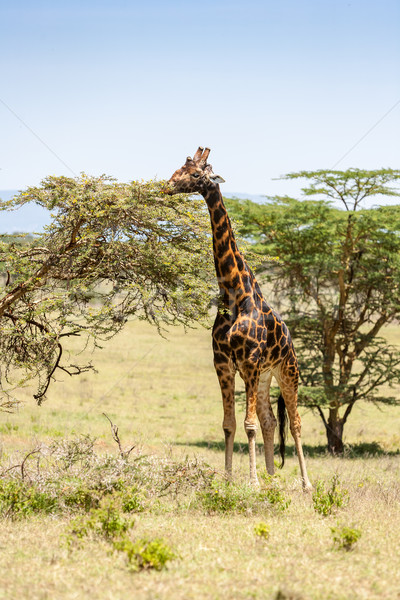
[(217, 178)]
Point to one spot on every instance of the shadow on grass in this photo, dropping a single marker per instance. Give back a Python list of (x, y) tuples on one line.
[(361, 450)]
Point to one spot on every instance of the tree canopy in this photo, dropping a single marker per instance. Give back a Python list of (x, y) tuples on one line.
[(336, 275), (111, 250)]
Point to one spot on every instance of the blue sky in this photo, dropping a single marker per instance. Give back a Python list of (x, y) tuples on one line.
[(131, 88)]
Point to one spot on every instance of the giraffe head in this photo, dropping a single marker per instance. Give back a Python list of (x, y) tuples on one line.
[(195, 175)]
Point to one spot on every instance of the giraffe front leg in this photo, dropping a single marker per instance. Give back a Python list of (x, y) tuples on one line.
[(250, 422), (226, 378)]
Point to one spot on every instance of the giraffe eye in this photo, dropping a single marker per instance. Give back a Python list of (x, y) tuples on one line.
[(196, 175)]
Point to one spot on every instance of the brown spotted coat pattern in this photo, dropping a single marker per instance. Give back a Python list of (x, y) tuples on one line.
[(248, 335)]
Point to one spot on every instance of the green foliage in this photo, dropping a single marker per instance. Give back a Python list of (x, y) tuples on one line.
[(112, 250), (131, 502), (326, 501), (76, 495), (18, 499), (337, 270), (107, 521), (225, 496), (70, 477), (344, 537), (277, 498), (273, 492), (145, 554), (262, 530)]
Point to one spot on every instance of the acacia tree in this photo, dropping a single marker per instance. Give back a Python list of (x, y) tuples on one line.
[(337, 275), (111, 250)]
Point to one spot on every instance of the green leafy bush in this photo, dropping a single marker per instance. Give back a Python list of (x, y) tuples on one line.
[(78, 496), (262, 530), (18, 499), (145, 554), (110, 523), (326, 501), (344, 537), (223, 496), (106, 521), (274, 494), (131, 502)]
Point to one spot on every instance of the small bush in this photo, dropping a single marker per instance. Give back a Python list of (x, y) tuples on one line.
[(225, 497), (344, 537), (131, 501), (222, 496), (110, 523), (326, 501), (105, 521), (18, 499), (262, 530), (277, 498), (145, 554), (78, 496)]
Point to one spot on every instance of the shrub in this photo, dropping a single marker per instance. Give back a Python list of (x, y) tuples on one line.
[(344, 537), (131, 501), (18, 499), (274, 495), (262, 530), (326, 501), (145, 554), (78, 496), (223, 496), (109, 522), (105, 521)]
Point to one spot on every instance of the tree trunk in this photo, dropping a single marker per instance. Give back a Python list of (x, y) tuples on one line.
[(334, 432)]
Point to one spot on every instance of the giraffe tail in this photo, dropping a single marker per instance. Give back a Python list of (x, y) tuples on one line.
[(282, 420)]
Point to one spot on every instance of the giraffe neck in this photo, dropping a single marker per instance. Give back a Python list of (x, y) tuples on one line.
[(235, 279)]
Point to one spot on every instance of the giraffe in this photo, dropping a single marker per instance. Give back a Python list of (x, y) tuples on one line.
[(248, 336)]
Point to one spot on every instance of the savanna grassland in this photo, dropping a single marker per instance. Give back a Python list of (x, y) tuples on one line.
[(73, 510)]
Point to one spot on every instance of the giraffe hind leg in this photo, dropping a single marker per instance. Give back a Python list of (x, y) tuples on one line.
[(295, 430), (288, 398)]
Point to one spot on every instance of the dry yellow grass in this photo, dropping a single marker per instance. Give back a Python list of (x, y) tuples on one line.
[(164, 396)]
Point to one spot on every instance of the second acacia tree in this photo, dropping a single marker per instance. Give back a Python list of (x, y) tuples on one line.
[(337, 275)]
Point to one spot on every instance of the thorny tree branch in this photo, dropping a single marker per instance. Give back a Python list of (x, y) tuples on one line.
[(25, 459), (22, 465), (40, 395), (114, 432)]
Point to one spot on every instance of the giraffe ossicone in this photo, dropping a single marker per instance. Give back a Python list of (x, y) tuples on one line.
[(248, 336)]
